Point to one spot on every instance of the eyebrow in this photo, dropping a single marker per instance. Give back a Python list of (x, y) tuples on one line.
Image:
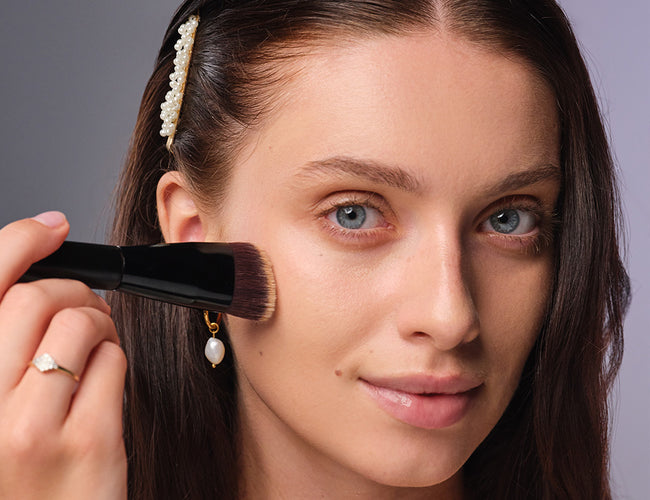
[(396, 177), (518, 180), (372, 171)]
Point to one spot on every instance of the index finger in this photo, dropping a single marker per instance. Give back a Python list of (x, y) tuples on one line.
[(26, 241)]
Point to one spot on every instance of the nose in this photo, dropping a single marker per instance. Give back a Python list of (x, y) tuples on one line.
[(436, 298)]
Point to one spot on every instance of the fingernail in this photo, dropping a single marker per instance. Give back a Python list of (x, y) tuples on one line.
[(50, 219)]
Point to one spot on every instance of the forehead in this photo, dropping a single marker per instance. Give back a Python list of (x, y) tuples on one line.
[(431, 103)]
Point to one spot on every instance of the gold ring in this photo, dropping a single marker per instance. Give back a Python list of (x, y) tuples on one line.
[(45, 363)]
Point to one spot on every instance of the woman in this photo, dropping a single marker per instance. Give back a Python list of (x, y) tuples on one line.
[(432, 185)]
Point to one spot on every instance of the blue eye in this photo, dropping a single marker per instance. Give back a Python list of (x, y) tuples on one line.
[(511, 221), (505, 221), (351, 217), (354, 216)]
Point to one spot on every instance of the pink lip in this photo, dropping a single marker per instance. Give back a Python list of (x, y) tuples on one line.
[(424, 401)]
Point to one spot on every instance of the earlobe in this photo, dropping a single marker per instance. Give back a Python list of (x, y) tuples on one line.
[(178, 214)]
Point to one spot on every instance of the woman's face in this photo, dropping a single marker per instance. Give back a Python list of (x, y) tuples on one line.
[(403, 190)]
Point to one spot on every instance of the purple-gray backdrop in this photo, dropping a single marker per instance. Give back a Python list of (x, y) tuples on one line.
[(74, 72)]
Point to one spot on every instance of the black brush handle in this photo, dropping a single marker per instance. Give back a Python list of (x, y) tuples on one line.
[(200, 275), (98, 266)]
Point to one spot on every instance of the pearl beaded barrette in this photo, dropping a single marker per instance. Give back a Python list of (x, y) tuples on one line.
[(171, 108)]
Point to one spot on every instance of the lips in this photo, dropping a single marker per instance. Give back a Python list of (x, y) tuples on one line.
[(424, 401)]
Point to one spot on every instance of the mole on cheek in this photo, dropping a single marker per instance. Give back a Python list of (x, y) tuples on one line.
[(261, 353), (338, 373)]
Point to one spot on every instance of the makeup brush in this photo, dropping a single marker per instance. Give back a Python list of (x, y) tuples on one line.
[(234, 278)]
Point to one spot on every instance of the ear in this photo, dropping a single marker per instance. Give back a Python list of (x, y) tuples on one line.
[(178, 214)]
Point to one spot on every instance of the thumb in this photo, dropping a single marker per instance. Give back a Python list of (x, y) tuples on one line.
[(26, 241)]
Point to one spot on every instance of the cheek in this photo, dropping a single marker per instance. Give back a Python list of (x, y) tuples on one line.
[(324, 305), (295, 366), (512, 301)]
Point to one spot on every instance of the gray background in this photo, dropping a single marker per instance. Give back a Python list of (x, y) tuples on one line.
[(73, 73)]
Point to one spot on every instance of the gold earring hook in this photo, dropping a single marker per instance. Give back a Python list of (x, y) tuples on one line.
[(213, 326)]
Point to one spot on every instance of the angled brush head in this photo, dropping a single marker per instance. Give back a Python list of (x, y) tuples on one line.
[(254, 292)]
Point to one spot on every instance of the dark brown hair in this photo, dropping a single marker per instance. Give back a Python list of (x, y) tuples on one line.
[(180, 419)]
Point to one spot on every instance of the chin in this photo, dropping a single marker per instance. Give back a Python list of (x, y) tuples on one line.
[(420, 470)]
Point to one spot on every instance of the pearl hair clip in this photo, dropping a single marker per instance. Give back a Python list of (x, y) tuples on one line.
[(171, 108)]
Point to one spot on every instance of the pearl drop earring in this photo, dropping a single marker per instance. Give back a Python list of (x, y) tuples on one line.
[(214, 348)]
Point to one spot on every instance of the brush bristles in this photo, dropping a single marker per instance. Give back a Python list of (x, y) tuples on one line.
[(254, 292)]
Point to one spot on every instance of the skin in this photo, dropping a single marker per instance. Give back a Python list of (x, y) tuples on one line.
[(426, 286)]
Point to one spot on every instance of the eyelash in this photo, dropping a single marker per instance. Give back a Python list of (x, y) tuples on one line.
[(528, 244), (363, 199)]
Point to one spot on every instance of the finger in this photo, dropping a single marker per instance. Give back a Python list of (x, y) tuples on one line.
[(25, 314), (26, 241), (96, 409), (93, 428), (73, 334)]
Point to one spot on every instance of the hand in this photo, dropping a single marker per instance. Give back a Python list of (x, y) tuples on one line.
[(58, 438)]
